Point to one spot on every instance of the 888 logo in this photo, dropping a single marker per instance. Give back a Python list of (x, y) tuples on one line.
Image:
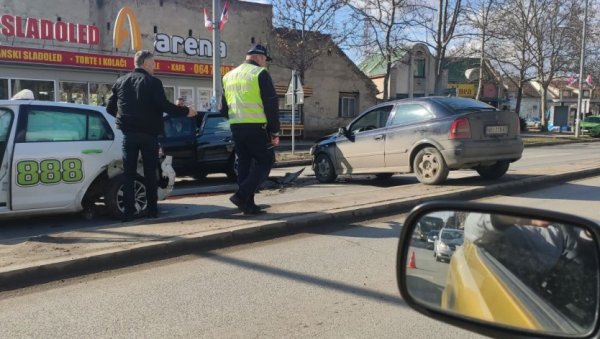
[(49, 171)]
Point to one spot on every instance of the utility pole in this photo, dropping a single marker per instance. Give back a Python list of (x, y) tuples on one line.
[(581, 64), (216, 38)]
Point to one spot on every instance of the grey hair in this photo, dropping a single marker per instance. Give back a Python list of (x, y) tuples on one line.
[(141, 56)]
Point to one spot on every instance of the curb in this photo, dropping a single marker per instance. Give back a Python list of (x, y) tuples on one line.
[(151, 251)]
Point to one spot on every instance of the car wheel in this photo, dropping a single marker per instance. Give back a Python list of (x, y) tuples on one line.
[(430, 167), (324, 170), (494, 171), (383, 176), (231, 170), (114, 196)]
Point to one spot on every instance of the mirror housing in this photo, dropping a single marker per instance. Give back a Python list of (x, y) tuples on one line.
[(462, 302)]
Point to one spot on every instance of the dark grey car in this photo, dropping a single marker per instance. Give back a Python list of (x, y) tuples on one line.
[(428, 136)]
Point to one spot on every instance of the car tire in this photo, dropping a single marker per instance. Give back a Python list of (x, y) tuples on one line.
[(324, 169), (494, 171), (429, 166), (383, 176), (114, 196), (231, 169)]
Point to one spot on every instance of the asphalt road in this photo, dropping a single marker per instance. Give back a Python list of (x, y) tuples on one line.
[(338, 281)]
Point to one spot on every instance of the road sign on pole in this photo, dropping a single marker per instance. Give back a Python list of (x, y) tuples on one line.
[(293, 97)]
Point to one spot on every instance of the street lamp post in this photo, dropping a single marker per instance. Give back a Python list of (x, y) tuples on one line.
[(581, 64)]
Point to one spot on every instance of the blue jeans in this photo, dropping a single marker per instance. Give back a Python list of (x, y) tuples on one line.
[(133, 144), (255, 158)]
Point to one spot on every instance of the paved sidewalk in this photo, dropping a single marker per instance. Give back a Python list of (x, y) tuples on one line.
[(191, 222)]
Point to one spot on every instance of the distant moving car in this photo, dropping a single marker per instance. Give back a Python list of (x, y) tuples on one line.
[(533, 123), (60, 157), (431, 238), (428, 136), (591, 125), (200, 145), (446, 243)]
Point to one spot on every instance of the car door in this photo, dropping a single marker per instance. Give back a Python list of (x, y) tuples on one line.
[(179, 140), (361, 150), (410, 123), (58, 152), (6, 122), (215, 144)]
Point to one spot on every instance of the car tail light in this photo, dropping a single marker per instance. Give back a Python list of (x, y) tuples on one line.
[(460, 129)]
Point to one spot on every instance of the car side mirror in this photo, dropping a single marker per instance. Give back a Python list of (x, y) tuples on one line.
[(516, 271)]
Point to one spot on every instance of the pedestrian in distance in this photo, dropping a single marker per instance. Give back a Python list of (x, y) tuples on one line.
[(251, 105), (138, 101), (180, 102)]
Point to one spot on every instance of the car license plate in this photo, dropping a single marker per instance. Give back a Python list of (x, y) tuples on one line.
[(496, 130)]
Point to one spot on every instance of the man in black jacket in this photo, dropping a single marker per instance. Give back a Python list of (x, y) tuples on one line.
[(138, 101)]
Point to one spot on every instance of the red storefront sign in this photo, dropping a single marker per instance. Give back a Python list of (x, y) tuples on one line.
[(101, 61)]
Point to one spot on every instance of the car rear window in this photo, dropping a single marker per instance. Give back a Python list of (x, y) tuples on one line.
[(463, 105), (179, 126)]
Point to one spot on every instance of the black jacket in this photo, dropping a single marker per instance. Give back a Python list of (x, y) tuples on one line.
[(269, 99), (138, 101)]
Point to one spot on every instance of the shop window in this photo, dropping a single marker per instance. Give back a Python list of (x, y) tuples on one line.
[(99, 93), (419, 68), (187, 93), (348, 105), (42, 89), (170, 93), (4, 89), (74, 92)]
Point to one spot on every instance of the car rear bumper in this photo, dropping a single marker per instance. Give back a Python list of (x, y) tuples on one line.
[(463, 154)]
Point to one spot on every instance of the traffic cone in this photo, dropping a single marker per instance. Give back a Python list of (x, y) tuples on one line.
[(412, 263)]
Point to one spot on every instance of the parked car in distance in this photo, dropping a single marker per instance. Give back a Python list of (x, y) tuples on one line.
[(591, 125), (533, 123), (199, 145), (446, 243), (59, 157), (427, 136)]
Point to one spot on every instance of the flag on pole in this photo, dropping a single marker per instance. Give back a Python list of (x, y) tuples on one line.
[(207, 22), (588, 80), (571, 80), (224, 16)]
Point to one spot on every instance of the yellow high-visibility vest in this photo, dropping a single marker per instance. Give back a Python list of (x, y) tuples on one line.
[(242, 93)]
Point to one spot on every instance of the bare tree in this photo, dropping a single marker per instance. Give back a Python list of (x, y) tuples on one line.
[(386, 23), (448, 19), (509, 49), (305, 29), (478, 14), (551, 47)]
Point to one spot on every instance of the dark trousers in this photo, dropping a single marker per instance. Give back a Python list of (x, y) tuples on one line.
[(133, 144), (255, 158)]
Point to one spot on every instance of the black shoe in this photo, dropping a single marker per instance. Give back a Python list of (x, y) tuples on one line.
[(241, 204), (253, 210)]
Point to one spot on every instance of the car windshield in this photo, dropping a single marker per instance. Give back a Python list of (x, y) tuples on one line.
[(451, 235), (179, 126), (462, 105), (592, 119)]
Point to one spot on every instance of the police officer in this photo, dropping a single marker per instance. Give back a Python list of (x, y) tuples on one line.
[(252, 107)]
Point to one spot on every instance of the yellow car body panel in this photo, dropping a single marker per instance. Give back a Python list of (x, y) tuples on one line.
[(473, 290)]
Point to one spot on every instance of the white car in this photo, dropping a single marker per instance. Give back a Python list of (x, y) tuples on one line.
[(60, 157)]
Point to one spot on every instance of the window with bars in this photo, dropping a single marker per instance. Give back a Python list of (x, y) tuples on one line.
[(348, 105)]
